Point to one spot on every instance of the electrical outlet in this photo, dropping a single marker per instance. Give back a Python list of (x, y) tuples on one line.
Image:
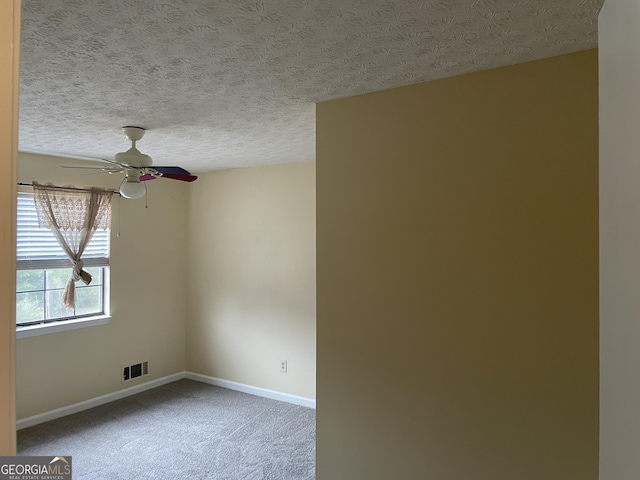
[(283, 366)]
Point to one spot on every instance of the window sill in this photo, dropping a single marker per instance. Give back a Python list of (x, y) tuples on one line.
[(35, 330)]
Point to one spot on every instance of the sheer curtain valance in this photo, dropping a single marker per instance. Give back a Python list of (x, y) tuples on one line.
[(73, 216)]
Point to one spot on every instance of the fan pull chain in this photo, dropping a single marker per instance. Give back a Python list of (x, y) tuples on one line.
[(119, 215), (146, 196)]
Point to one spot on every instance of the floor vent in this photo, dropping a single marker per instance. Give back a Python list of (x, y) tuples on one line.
[(134, 371)]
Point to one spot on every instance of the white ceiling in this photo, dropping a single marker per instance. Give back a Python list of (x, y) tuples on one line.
[(231, 83)]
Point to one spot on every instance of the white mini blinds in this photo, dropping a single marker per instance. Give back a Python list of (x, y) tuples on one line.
[(37, 248)]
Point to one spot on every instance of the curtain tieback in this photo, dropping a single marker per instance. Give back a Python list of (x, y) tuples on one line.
[(79, 273)]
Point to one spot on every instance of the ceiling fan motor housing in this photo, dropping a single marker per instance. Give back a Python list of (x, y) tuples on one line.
[(133, 158)]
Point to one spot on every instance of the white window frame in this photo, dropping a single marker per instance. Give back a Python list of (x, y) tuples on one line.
[(35, 258)]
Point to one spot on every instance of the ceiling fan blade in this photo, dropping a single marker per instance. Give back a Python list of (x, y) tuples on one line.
[(179, 176), (97, 173), (146, 177), (172, 170), (104, 168), (93, 167), (112, 162)]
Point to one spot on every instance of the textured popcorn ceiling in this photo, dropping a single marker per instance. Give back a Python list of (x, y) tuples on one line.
[(233, 83)]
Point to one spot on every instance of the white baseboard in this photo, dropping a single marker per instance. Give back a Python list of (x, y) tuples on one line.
[(97, 401), (126, 392), (261, 392)]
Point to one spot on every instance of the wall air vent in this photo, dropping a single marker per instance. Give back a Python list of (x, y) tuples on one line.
[(134, 371)]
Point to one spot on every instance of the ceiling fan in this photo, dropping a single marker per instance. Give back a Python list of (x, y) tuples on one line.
[(137, 167)]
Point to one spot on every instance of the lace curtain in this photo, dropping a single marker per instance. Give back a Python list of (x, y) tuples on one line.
[(73, 215)]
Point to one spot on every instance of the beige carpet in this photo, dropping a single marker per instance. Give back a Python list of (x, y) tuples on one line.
[(182, 430)]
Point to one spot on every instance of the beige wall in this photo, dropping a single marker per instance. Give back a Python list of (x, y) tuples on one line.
[(9, 46), (458, 277), (148, 300), (252, 276), (619, 36)]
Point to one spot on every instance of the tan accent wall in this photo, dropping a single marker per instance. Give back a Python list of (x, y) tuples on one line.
[(457, 252), (9, 61), (148, 299), (252, 277), (619, 37)]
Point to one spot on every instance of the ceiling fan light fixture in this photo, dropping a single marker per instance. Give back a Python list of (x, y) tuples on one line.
[(132, 188)]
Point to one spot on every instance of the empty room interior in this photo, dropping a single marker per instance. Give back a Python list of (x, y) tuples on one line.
[(414, 222)]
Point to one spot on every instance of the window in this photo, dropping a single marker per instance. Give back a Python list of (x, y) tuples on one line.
[(43, 270)]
